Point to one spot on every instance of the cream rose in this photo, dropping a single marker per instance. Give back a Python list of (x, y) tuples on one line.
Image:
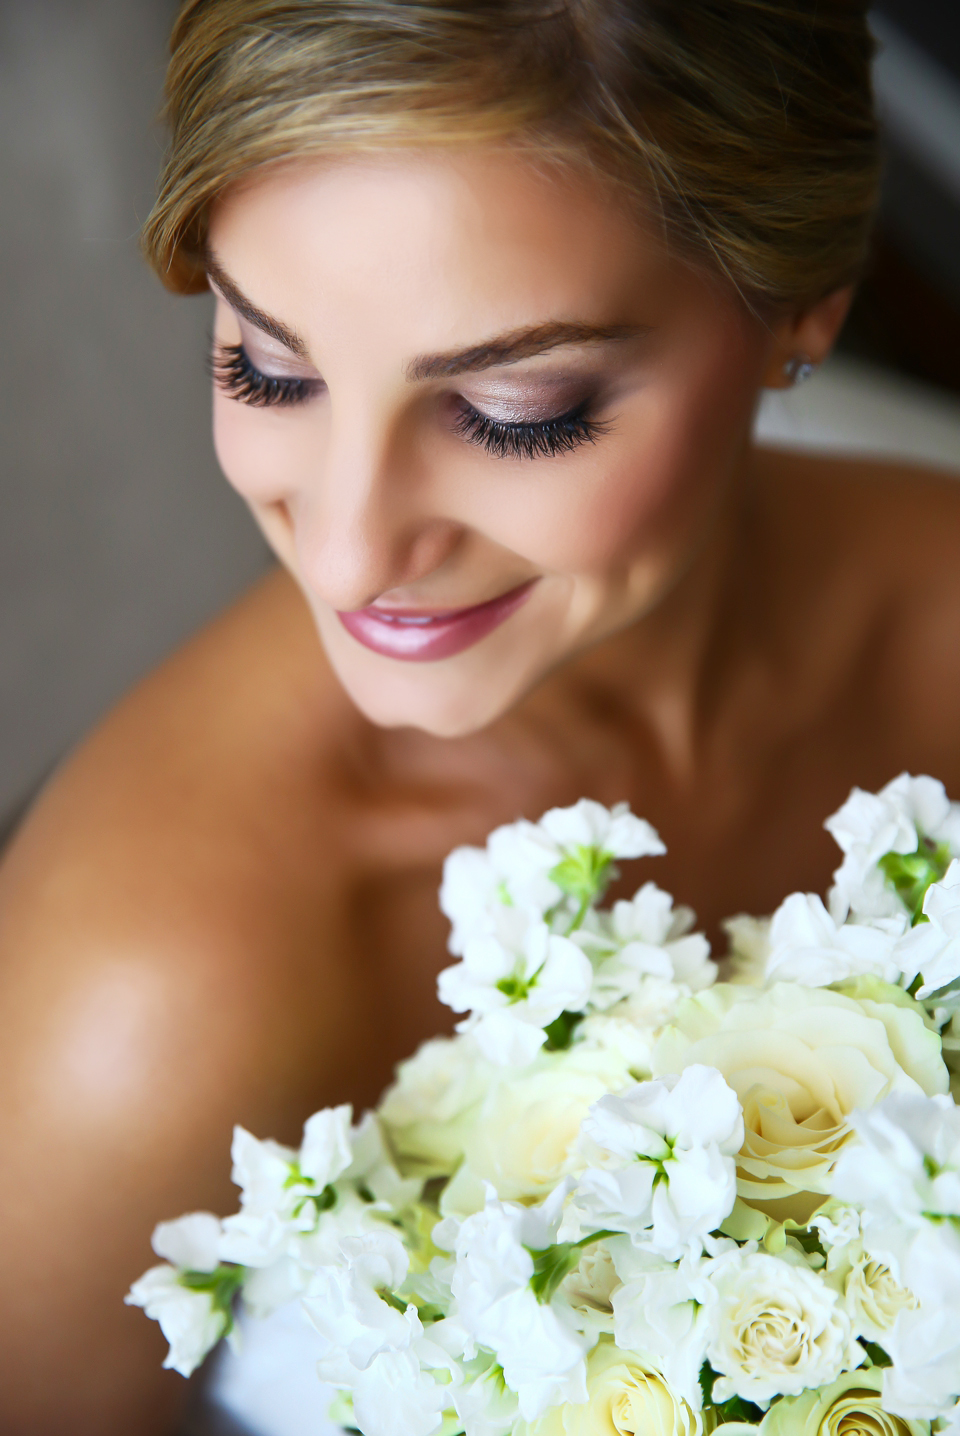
[(624, 1398), (520, 1139), (849, 1406), (871, 1293), (801, 1060), (428, 1111), (778, 1328)]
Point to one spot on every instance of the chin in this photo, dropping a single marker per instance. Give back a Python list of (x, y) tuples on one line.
[(444, 710)]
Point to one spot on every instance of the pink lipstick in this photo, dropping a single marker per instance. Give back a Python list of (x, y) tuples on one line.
[(419, 635)]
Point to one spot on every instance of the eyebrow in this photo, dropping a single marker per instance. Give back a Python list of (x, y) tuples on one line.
[(239, 301), (507, 348), (518, 344)]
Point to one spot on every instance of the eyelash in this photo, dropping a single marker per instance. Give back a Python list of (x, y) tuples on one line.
[(238, 379), (236, 376), (545, 440)]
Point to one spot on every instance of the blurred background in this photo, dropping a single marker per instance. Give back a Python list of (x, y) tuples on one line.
[(117, 535)]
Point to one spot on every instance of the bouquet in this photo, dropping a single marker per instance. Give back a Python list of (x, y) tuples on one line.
[(629, 1196)]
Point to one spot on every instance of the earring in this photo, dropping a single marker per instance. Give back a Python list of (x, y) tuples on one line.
[(799, 368)]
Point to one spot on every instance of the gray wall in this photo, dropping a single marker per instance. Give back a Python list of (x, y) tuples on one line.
[(117, 533)]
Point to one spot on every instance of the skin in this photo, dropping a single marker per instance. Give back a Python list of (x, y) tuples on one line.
[(223, 908)]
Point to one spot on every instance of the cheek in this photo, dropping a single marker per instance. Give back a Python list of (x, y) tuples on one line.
[(260, 452), (650, 486)]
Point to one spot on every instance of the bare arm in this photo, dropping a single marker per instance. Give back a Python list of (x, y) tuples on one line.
[(170, 963)]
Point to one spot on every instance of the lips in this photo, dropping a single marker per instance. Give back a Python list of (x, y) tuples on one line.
[(421, 636)]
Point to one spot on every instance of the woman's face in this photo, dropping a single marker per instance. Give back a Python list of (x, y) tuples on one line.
[(502, 420)]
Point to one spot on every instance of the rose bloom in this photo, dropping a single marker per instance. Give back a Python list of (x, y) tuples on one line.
[(521, 1136), (801, 1060), (428, 1110), (849, 1406), (624, 1398)]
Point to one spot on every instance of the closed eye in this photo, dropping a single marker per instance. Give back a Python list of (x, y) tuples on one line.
[(523, 440), (236, 377)]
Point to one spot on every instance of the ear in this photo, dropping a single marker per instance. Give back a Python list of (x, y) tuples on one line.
[(809, 334)]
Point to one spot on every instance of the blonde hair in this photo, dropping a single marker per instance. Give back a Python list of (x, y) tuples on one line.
[(749, 123)]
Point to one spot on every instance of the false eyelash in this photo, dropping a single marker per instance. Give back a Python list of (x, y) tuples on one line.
[(237, 377), (529, 441)]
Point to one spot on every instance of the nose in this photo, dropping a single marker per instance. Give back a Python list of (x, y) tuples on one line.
[(362, 523)]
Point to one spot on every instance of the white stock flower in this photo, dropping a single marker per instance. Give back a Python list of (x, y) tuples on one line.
[(644, 938), (932, 948), (188, 1319), (326, 1149), (380, 1353), (191, 1243), (870, 825), (536, 1343), (924, 1343), (664, 1311), (777, 1328), (903, 1170), (514, 992), (660, 1162), (808, 947), (292, 1212)]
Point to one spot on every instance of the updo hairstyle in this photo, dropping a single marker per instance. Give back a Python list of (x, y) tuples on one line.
[(746, 127)]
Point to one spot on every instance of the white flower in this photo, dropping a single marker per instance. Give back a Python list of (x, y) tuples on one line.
[(904, 1167), (778, 1328), (345, 1305), (924, 1344), (870, 825), (514, 992), (588, 1290), (191, 1243), (536, 1343), (932, 948), (646, 937), (664, 1311), (614, 831), (326, 1150), (486, 1406), (532, 866), (808, 947), (188, 1319), (661, 1162)]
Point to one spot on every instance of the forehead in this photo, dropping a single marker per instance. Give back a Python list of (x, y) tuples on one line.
[(440, 243)]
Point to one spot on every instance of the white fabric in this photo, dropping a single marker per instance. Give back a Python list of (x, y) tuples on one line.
[(271, 1385)]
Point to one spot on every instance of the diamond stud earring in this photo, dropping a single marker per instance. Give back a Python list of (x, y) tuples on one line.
[(799, 368)]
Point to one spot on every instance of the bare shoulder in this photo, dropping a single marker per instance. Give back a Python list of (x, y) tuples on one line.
[(874, 547), (173, 929)]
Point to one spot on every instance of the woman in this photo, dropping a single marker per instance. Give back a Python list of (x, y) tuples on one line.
[(498, 285)]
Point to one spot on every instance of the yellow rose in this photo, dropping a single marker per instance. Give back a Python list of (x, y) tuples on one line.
[(624, 1398), (849, 1406), (801, 1060), (521, 1136)]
